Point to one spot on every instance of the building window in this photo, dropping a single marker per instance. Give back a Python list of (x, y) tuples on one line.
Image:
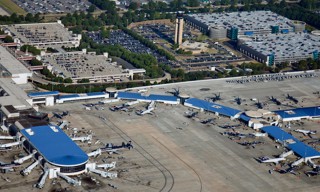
[(73, 169)]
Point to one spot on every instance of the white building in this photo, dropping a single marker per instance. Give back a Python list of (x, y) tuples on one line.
[(42, 35), (11, 67)]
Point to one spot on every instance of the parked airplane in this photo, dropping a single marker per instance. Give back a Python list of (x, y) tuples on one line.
[(258, 134), (190, 114), (216, 97), (122, 107), (238, 100), (142, 90), (289, 170), (61, 115), (266, 159), (306, 132), (111, 148), (275, 100), (8, 166), (315, 171), (149, 109), (292, 98), (210, 121), (253, 143), (259, 105), (235, 134), (175, 92)]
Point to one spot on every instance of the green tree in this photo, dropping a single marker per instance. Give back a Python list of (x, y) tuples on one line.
[(92, 8), (193, 3), (133, 6), (302, 65), (83, 81), (68, 80), (8, 39), (31, 49), (35, 62)]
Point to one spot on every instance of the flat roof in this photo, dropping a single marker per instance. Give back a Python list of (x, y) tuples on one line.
[(298, 147), (82, 65), (9, 62), (16, 96), (244, 21), (40, 94), (299, 112), (55, 146), (284, 45), (213, 107), (151, 97), (129, 95), (244, 117), (34, 33)]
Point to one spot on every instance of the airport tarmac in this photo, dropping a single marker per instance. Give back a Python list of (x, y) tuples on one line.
[(175, 153)]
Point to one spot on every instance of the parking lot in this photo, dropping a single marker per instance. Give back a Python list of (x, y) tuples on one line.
[(163, 35), (53, 6), (129, 43)]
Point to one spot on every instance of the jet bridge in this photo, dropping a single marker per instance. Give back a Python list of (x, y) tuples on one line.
[(42, 181), (69, 179), (103, 173), (23, 159)]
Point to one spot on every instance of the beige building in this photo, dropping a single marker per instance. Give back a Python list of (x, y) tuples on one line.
[(179, 31)]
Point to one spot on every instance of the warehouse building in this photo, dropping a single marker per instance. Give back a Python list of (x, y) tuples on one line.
[(234, 24), (42, 35), (278, 48)]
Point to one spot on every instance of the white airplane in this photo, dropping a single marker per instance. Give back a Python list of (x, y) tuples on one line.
[(149, 109), (82, 139), (131, 103), (63, 124), (8, 166), (107, 165), (142, 90), (258, 134), (269, 160), (151, 105), (9, 145), (145, 111), (95, 153), (306, 132)]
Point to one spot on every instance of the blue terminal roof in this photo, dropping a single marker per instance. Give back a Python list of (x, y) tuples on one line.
[(278, 134), (41, 94), (55, 146), (299, 112), (213, 107), (298, 147), (95, 93), (244, 117), (68, 96), (152, 97), (129, 95)]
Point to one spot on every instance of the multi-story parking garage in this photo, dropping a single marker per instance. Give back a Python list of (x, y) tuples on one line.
[(234, 24)]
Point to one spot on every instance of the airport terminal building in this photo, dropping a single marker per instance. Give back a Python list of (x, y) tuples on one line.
[(51, 146), (234, 24)]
